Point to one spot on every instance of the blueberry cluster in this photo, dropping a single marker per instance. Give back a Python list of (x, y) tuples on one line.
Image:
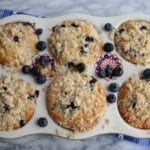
[(35, 70), (110, 72)]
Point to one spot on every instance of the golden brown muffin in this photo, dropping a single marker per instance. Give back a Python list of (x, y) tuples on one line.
[(132, 41), (134, 102), (75, 41), (17, 102), (17, 43), (76, 101)]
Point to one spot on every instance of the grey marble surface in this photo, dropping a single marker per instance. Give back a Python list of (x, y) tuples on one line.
[(59, 7)]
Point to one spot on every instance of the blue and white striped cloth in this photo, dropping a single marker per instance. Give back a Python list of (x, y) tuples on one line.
[(144, 142)]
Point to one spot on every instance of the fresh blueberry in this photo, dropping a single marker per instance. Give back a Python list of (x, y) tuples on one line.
[(39, 31), (80, 67), (109, 71), (101, 73), (146, 73), (41, 45), (108, 47), (42, 122), (35, 70), (108, 27), (111, 98), (44, 60), (118, 71), (26, 69), (41, 79), (114, 87)]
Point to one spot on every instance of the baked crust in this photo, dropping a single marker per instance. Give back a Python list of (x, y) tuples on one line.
[(134, 102), (74, 102), (17, 43), (76, 41)]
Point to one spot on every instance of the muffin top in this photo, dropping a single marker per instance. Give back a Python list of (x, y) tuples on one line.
[(76, 101), (134, 102), (132, 41), (17, 43), (17, 102), (75, 41)]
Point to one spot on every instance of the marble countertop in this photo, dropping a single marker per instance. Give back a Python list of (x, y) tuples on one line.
[(56, 8)]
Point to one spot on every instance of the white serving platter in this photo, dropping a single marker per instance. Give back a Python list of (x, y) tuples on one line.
[(116, 123)]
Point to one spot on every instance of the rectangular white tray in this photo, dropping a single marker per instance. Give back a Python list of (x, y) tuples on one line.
[(116, 124)]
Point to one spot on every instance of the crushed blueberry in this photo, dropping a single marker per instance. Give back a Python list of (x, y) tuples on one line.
[(143, 28), (80, 67), (86, 45), (72, 106), (108, 27), (39, 31), (41, 45), (74, 25), (37, 93), (83, 51), (71, 64), (89, 39), (30, 97), (133, 105), (63, 25), (121, 30), (16, 38), (5, 88), (22, 123), (42, 122), (28, 24)]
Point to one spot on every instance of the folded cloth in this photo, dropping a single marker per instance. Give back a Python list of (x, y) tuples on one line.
[(141, 141)]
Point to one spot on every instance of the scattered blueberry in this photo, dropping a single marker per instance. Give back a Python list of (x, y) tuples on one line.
[(146, 73), (101, 73), (41, 45), (114, 87), (108, 27), (42, 122), (109, 71), (71, 105), (39, 31), (44, 60), (80, 67), (35, 70), (111, 98), (41, 79), (118, 71), (108, 47), (26, 69)]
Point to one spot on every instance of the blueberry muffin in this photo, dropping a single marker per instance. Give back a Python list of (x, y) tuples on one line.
[(17, 43), (132, 41), (76, 101), (17, 102), (134, 102), (75, 41)]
